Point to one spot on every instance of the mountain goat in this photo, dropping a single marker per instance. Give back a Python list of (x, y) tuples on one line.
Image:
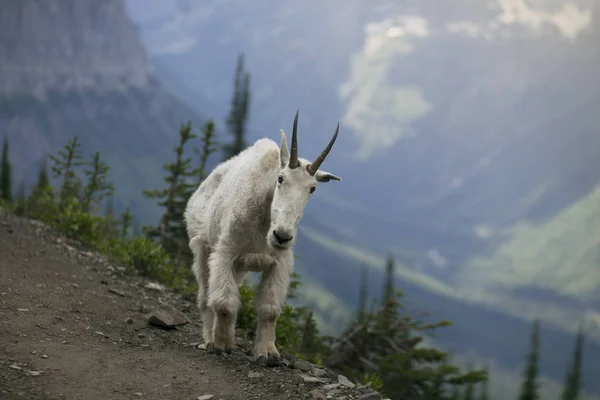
[(242, 218)]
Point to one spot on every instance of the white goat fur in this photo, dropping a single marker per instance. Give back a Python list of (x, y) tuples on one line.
[(230, 222)]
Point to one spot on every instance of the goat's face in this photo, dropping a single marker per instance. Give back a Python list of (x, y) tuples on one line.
[(296, 182)]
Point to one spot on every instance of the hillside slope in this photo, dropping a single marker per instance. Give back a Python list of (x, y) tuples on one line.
[(74, 326)]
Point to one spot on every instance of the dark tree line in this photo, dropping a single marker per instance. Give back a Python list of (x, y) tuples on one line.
[(530, 387)]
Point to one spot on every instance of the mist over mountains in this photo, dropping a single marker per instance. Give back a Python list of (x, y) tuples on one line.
[(468, 141), (468, 145)]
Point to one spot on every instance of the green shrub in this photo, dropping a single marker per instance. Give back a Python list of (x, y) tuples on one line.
[(147, 258), (373, 380)]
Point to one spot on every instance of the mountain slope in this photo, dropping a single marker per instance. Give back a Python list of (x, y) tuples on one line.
[(79, 68), (87, 340)]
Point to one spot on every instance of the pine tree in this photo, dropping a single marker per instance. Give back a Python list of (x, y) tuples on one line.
[(208, 147), (43, 180), (98, 186), (530, 385), (171, 232), (21, 201), (5, 174), (470, 392), (363, 295), (455, 393), (64, 166), (126, 222), (109, 208), (389, 299), (310, 337), (41, 200), (484, 389), (238, 114), (572, 384), (386, 344)]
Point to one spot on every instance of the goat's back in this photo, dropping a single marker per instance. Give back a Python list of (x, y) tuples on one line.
[(232, 187)]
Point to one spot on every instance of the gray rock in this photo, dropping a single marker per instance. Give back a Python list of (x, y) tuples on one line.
[(167, 317), (255, 375), (370, 396), (317, 395), (313, 379), (303, 366), (205, 397), (345, 381), (117, 292)]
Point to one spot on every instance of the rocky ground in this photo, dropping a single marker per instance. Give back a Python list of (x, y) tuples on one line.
[(73, 326)]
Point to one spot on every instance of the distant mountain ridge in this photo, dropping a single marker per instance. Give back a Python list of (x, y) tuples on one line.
[(79, 68), (72, 46)]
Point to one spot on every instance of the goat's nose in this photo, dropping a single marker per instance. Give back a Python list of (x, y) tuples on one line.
[(282, 237)]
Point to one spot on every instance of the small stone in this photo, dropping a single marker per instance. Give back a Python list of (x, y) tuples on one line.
[(331, 386), (154, 286), (370, 396), (331, 375), (117, 292), (15, 367), (345, 381), (255, 375), (129, 320), (320, 372), (316, 395), (99, 333), (22, 309), (141, 335), (44, 356), (205, 397), (146, 346), (167, 317), (303, 366), (312, 379), (35, 373), (202, 346), (138, 394)]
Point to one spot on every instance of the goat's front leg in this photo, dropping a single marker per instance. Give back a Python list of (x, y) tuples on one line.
[(270, 297), (224, 299)]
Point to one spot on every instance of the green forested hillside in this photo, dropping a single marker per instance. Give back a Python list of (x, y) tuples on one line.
[(133, 128), (562, 254)]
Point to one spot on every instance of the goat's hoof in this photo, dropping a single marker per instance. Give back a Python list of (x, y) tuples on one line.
[(274, 360), (220, 352), (261, 361), (210, 347), (226, 350), (271, 361)]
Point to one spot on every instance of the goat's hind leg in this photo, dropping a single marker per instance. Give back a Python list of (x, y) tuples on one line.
[(202, 273)]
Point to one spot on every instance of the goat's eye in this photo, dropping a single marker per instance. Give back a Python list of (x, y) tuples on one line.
[(280, 179), (312, 189)]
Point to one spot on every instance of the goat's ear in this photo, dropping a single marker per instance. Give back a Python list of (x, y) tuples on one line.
[(324, 176), (284, 154)]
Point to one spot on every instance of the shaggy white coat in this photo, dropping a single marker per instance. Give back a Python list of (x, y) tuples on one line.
[(230, 222)]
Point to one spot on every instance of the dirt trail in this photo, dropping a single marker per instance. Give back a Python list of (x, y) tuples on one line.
[(73, 327)]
